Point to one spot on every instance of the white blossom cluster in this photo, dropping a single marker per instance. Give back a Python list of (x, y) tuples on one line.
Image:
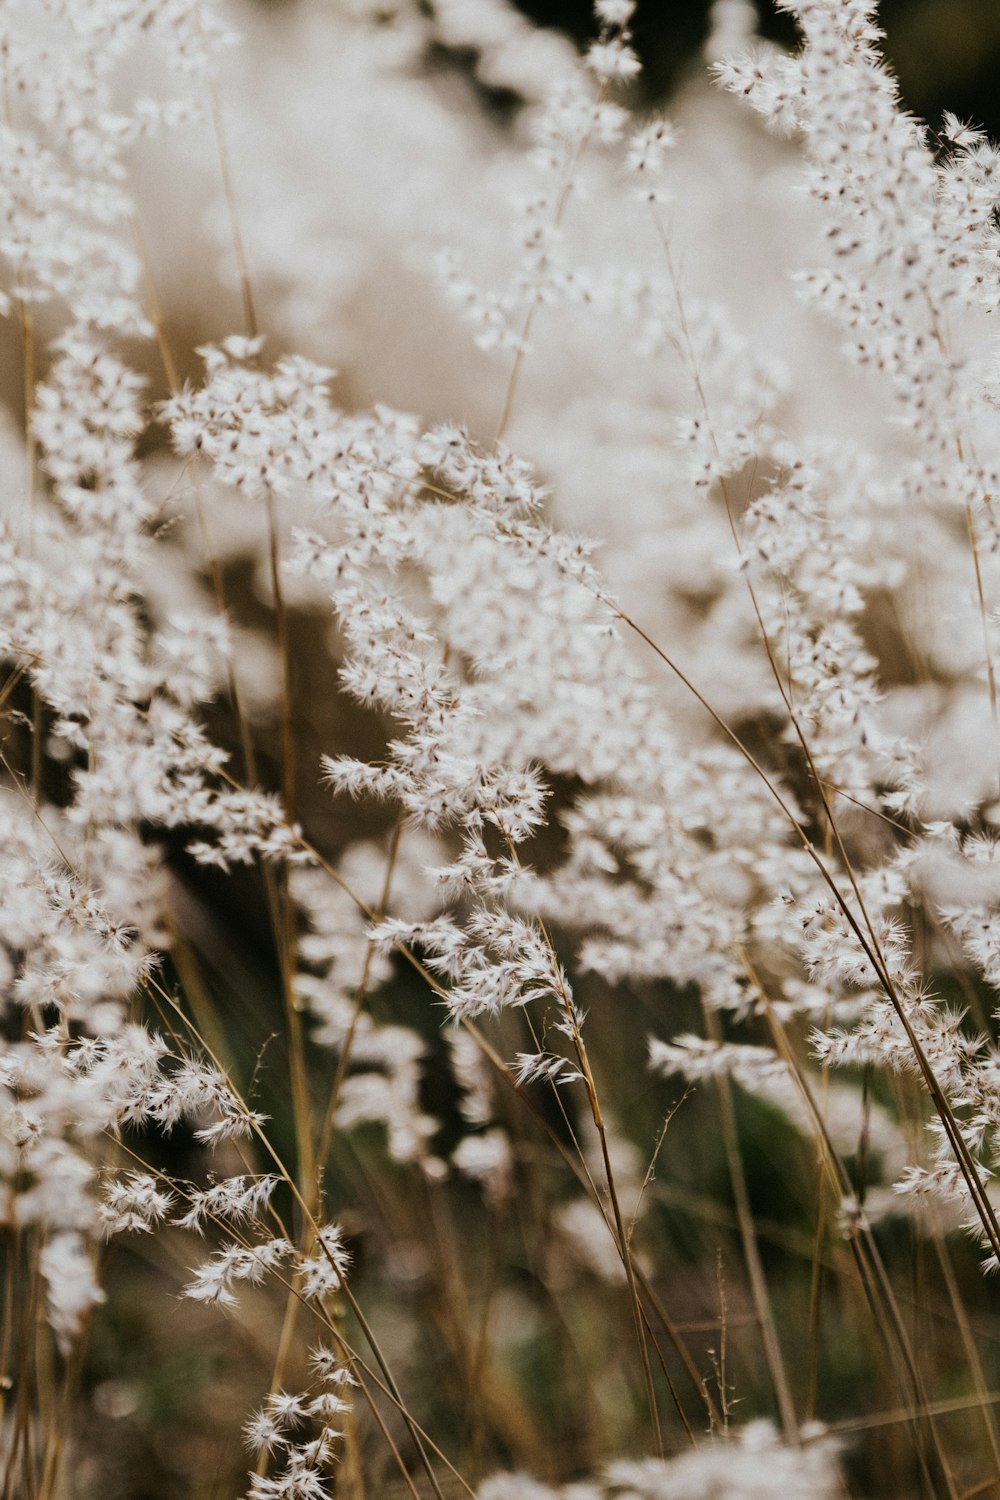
[(747, 753), (755, 1464)]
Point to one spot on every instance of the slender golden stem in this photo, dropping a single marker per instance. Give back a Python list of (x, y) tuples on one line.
[(963, 1156), (232, 208), (562, 202), (306, 1236), (751, 1252), (307, 1217)]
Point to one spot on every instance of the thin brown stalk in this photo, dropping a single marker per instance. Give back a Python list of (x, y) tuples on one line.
[(497, 1219), (355, 1363), (963, 1156), (306, 1235), (816, 1293), (343, 1061), (352, 1456), (620, 1235), (651, 1168), (562, 202), (492, 1056), (61, 1423), (12, 1258), (154, 306), (871, 947), (968, 1344), (991, 680), (751, 1252), (282, 916), (722, 1360), (27, 1400), (31, 491), (510, 1417), (229, 191), (875, 1281), (903, 1414), (622, 1239), (307, 1215), (970, 525), (210, 557)]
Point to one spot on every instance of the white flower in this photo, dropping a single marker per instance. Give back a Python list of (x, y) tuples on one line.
[(613, 62), (614, 12)]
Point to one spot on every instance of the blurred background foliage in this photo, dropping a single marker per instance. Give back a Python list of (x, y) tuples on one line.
[(946, 53)]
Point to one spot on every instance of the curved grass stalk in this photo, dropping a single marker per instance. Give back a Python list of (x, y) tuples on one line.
[(871, 1268), (963, 1156), (306, 1236), (751, 1253), (308, 1218)]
